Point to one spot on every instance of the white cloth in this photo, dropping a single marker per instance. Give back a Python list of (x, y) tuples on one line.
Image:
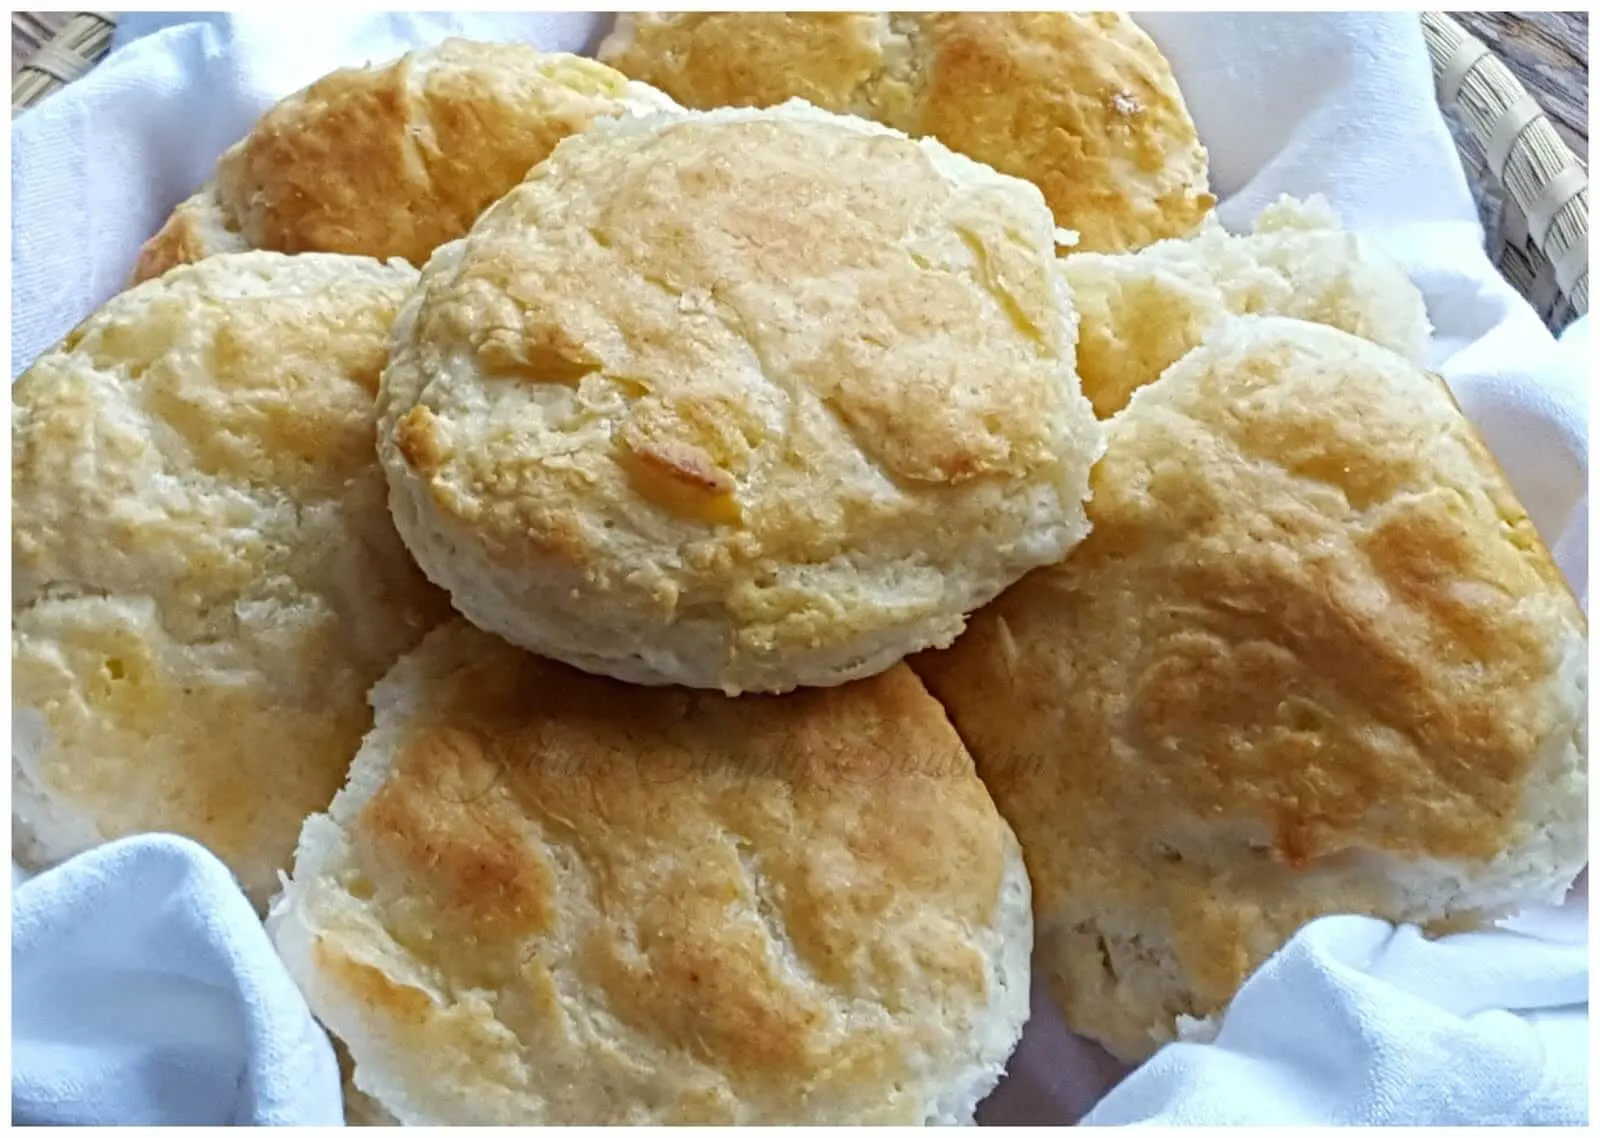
[(144, 992), (1353, 1022), (1359, 1023)]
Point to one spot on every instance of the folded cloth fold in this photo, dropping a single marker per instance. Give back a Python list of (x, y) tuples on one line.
[(1357, 1022), (144, 990)]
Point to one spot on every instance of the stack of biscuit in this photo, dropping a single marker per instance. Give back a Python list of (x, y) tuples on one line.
[(675, 581)]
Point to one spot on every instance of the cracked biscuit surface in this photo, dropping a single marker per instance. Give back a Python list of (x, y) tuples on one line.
[(205, 575), (1312, 659), (548, 898), (744, 400), (1082, 104), (1141, 312), (393, 160)]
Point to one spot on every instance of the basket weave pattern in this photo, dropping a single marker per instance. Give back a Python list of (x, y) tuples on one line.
[(1539, 234), (1544, 228), (67, 55)]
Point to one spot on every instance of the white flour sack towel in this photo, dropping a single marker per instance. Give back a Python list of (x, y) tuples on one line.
[(144, 989)]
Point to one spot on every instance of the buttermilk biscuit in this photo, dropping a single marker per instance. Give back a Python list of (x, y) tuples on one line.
[(205, 576), (1141, 312), (547, 898), (392, 161), (1313, 659), (743, 400), (1082, 104)]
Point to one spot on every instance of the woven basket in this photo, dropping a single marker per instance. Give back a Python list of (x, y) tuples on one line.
[(1540, 235)]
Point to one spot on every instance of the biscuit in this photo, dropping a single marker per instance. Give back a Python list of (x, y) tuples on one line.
[(1082, 104), (744, 400), (1313, 659), (547, 898), (205, 576), (360, 1108), (392, 161), (1140, 312)]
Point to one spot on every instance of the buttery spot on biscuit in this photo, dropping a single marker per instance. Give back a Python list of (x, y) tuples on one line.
[(631, 386), (417, 438), (677, 476), (539, 352), (993, 275), (1295, 842), (407, 1003)]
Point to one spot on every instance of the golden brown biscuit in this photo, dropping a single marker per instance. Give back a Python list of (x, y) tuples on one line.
[(1312, 659), (1140, 312), (199, 227), (548, 898), (743, 400), (1082, 104), (393, 161), (205, 576)]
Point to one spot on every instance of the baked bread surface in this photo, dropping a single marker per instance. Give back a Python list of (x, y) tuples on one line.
[(743, 400), (393, 160), (548, 898), (205, 576), (1312, 659), (1141, 312), (1083, 104)]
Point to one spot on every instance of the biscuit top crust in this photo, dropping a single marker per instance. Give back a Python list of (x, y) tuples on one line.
[(205, 575), (731, 359), (393, 160), (1083, 104), (1312, 658), (551, 897)]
